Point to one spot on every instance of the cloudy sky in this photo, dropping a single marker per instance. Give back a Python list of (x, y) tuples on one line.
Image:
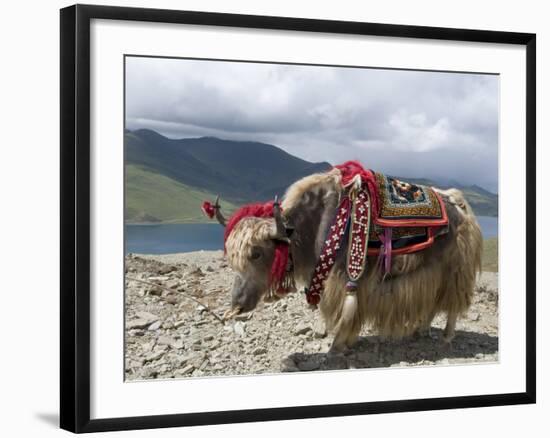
[(409, 123)]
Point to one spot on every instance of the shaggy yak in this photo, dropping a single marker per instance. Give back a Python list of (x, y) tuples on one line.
[(274, 247)]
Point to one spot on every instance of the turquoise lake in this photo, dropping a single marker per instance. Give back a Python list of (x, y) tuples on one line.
[(172, 238)]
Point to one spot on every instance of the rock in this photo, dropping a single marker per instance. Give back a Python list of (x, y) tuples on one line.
[(160, 279), (243, 316), (260, 341), (136, 332), (167, 325), (137, 324), (239, 328), (288, 365), (148, 346), (259, 350), (147, 316), (166, 269), (150, 373), (319, 329), (155, 355), (171, 299), (136, 364), (165, 340), (187, 369), (197, 272), (172, 284), (154, 326), (177, 344), (302, 329), (183, 360), (474, 316), (155, 290)]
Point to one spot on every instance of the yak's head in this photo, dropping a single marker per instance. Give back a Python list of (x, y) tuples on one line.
[(257, 244)]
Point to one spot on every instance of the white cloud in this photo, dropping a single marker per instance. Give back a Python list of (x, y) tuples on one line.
[(402, 122)]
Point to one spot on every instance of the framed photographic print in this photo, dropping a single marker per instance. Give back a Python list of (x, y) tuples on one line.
[(271, 218)]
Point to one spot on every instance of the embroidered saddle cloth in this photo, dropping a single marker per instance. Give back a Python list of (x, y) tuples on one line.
[(415, 215), (402, 204), (407, 218)]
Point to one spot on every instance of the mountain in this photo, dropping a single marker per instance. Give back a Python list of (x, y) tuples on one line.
[(160, 170), (239, 171), (483, 202), (167, 180)]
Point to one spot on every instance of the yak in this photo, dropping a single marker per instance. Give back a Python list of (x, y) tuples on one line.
[(260, 238)]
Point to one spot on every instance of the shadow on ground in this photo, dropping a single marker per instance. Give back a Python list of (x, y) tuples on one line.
[(372, 352)]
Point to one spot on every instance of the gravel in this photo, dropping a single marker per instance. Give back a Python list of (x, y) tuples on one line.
[(168, 335)]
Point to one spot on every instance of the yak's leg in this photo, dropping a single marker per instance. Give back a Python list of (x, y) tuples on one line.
[(425, 329), (449, 332), (346, 329), (351, 340), (344, 338)]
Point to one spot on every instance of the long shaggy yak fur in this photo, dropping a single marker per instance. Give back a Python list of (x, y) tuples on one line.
[(421, 285)]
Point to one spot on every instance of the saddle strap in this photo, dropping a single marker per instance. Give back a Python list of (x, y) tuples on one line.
[(329, 251), (358, 234)]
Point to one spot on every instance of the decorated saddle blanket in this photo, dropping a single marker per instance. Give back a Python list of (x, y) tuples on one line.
[(414, 213), (402, 204), (378, 215)]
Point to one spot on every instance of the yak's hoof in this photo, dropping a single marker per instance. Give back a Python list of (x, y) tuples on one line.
[(338, 349), (447, 341)]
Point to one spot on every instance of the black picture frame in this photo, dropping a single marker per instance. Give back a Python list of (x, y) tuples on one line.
[(75, 217)]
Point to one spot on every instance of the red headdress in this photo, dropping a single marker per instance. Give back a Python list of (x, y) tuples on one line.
[(261, 210), (350, 169), (279, 280)]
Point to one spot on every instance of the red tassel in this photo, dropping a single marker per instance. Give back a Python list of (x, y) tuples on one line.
[(280, 260), (350, 169), (208, 209)]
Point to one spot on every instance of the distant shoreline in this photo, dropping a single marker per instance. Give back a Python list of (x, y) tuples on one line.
[(213, 222), (489, 262)]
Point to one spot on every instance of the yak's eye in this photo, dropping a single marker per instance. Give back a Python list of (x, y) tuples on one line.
[(256, 254)]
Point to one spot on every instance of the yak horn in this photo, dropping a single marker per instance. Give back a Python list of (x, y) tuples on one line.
[(219, 214), (279, 232)]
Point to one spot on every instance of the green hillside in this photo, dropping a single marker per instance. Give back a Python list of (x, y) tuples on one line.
[(490, 255), (240, 171), (167, 179), (151, 197), (483, 202)]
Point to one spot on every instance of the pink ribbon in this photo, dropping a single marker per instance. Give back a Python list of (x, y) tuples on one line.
[(385, 254)]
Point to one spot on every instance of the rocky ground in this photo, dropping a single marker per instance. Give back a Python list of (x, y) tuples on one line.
[(173, 330)]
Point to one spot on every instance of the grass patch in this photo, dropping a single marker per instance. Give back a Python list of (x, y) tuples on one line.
[(153, 197), (490, 255)]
